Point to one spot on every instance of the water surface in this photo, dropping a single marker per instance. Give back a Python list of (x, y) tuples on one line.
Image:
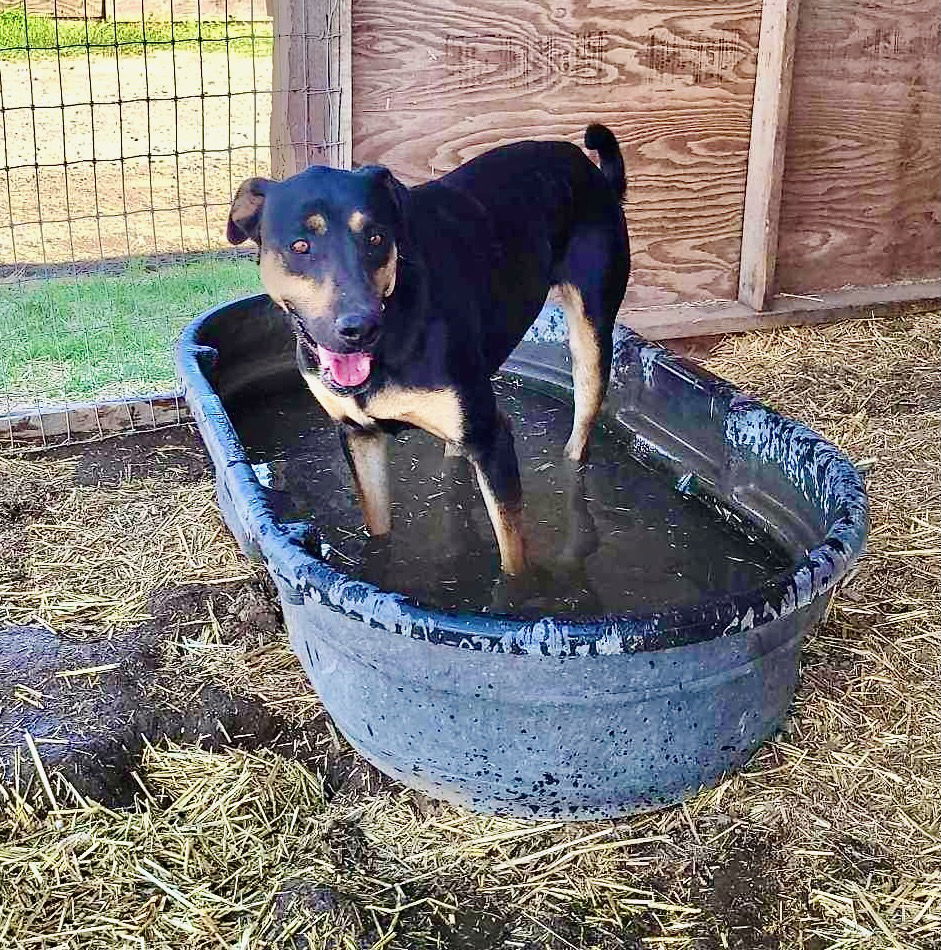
[(609, 537)]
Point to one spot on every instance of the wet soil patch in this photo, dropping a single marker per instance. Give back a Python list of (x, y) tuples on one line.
[(741, 894), (176, 453), (89, 704)]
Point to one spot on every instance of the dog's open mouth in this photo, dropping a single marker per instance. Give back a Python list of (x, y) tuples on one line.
[(347, 370), (341, 371)]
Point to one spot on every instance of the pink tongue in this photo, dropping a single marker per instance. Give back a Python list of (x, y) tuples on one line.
[(347, 369)]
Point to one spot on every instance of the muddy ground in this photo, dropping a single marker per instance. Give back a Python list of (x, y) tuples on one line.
[(142, 687)]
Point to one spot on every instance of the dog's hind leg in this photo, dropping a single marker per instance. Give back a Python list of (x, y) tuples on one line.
[(580, 539), (590, 282), (366, 453), (591, 364)]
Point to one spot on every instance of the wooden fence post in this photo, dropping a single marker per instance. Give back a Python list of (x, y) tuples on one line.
[(766, 149), (311, 100), (345, 117)]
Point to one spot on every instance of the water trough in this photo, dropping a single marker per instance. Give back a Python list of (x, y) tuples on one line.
[(555, 715)]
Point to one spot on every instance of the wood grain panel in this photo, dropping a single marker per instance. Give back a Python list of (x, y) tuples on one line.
[(862, 185), (435, 83)]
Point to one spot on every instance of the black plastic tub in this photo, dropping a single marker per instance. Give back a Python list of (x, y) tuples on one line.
[(547, 716)]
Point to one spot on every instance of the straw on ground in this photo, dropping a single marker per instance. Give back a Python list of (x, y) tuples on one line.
[(831, 838)]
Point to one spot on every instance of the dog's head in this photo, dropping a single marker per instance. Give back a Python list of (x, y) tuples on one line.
[(329, 243)]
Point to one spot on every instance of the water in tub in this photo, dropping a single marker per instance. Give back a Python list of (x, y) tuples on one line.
[(610, 537)]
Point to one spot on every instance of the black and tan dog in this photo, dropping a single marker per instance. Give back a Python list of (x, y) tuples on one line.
[(405, 301)]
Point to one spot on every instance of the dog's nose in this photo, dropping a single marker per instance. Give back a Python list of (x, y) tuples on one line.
[(356, 328)]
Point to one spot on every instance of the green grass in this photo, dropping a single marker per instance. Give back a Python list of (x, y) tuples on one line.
[(98, 336), (47, 37)]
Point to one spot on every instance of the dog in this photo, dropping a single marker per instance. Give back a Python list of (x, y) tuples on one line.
[(405, 301)]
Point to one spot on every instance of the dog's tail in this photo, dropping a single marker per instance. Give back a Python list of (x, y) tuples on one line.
[(599, 138)]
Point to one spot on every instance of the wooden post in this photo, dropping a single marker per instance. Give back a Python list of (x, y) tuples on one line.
[(345, 118), (339, 52), (766, 152), (312, 56)]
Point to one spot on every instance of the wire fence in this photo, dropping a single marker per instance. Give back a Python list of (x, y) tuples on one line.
[(124, 131)]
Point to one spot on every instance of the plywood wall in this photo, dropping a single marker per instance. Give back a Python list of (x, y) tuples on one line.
[(436, 82), (862, 182)]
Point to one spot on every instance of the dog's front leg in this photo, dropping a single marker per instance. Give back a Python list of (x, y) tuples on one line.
[(366, 452), (494, 460)]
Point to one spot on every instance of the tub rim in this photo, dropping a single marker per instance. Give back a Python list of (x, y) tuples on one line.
[(751, 428)]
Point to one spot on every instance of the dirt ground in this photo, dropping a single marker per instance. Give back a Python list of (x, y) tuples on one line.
[(95, 724), (254, 826), (127, 155)]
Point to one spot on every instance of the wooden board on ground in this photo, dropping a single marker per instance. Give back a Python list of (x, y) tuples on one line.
[(436, 82), (58, 425), (234, 10), (731, 316), (64, 9), (862, 183)]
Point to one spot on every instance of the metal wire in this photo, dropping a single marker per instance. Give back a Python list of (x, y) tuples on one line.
[(122, 143)]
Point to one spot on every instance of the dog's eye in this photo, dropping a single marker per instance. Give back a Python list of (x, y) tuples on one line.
[(375, 239), (300, 246)]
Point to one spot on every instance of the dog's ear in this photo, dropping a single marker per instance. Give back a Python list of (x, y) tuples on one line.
[(245, 213), (385, 179)]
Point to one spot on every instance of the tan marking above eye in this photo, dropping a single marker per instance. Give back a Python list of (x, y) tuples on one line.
[(317, 223), (357, 222)]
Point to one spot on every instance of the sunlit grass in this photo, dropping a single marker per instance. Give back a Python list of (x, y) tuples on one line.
[(46, 37), (109, 335)]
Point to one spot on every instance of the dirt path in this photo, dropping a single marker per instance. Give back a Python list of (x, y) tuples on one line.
[(126, 155)]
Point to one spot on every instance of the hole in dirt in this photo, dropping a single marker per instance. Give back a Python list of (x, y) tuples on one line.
[(149, 681), (91, 727)]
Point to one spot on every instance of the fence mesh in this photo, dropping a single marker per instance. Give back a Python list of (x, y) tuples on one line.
[(125, 127)]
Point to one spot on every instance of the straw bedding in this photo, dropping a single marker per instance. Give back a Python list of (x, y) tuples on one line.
[(831, 838)]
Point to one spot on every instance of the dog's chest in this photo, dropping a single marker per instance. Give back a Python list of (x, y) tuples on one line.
[(437, 411)]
